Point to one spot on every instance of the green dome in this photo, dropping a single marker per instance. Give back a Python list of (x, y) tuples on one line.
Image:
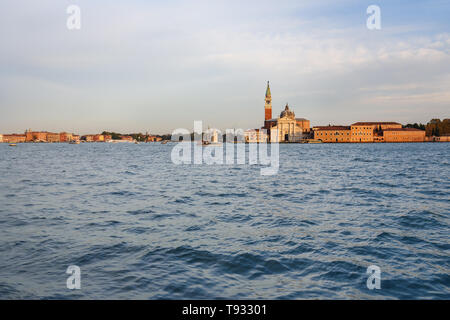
[(268, 90)]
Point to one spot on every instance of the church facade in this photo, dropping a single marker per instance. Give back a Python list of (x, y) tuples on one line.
[(290, 128)]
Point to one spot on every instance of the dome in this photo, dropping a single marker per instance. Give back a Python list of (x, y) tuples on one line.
[(286, 113)]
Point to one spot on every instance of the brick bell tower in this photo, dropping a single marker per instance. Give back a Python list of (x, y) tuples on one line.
[(268, 105)]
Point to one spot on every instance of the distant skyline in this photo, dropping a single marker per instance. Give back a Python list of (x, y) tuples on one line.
[(138, 66)]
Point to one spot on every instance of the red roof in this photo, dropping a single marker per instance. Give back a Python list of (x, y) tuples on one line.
[(403, 129), (372, 123), (332, 128)]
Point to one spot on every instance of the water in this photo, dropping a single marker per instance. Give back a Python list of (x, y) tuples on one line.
[(141, 227)]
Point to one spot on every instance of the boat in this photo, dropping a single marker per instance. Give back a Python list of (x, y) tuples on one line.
[(312, 141), (13, 145), (207, 143), (164, 142), (74, 142), (120, 141)]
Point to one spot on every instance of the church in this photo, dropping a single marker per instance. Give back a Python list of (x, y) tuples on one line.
[(290, 128)]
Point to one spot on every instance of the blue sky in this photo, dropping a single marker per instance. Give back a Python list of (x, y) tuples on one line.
[(139, 66)]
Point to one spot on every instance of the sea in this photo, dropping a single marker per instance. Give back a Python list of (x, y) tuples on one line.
[(139, 226)]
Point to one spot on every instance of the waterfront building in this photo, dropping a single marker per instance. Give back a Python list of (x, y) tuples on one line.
[(98, 138), (371, 131), (65, 137), (53, 137), (88, 138), (126, 138), (290, 128), (256, 136), (287, 126), (35, 136), (14, 138), (44, 136), (94, 138), (212, 136), (404, 135), (442, 138), (332, 133), (153, 139)]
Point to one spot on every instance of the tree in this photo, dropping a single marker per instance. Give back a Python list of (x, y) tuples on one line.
[(114, 135), (436, 127)]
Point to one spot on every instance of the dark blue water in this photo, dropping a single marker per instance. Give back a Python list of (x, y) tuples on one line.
[(141, 227)]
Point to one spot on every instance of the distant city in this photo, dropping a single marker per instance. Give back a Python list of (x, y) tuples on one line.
[(285, 129), (65, 137)]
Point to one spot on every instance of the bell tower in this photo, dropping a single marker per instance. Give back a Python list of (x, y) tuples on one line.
[(268, 105)]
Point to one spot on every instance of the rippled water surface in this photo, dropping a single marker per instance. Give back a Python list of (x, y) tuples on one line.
[(141, 227)]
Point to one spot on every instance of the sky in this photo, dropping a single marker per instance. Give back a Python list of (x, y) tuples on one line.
[(154, 66)]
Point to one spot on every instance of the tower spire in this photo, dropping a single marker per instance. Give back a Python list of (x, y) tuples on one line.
[(268, 90), (268, 104)]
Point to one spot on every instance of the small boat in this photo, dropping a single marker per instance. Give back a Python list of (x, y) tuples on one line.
[(314, 141), (74, 142), (164, 142), (13, 145), (136, 142), (207, 143)]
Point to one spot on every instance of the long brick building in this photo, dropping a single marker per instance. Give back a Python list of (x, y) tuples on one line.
[(332, 133), (13, 138), (369, 132), (404, 135)]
